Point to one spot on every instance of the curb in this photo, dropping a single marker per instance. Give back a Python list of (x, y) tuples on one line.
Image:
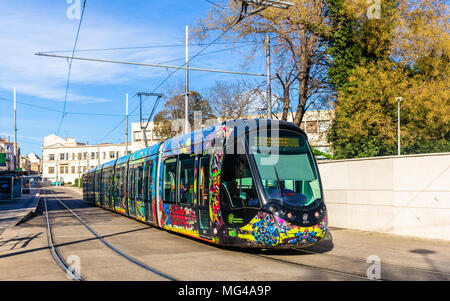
[(30, 214)]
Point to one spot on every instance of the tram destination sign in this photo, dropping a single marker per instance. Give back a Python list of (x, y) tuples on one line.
[(277, 142)]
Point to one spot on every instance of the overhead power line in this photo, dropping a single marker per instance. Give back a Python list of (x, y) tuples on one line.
[(225, 31), (59, 111), (148, 65), (70, 67), (145, 47)]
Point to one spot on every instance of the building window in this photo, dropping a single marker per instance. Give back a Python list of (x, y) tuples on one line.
[(311, 126), (67, 170), (61, 157), (148, 136), (104, 155), (137, 136), (84, 156), (92, 155), (111, 155), (61, 169), (51, 157), (73, 169), (324, 126), (51, 170)]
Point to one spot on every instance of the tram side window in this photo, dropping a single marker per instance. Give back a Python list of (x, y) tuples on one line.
[(238, 189), (148, 181), (138, 182), (203, 180), (98, 183), (117, 183), (130, 183), (121, 181), (105, 182), (186, 180), (169, 184)]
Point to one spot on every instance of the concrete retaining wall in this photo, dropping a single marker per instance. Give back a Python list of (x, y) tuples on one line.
[(408, 195)]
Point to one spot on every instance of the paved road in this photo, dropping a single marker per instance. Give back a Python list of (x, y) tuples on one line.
[(24, 254)]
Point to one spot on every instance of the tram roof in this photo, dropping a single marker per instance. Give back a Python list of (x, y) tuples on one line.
[(206, 135), (146, 152), (109, 164)]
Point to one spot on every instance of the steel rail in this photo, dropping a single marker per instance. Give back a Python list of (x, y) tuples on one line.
[(315, 267), (135, 261), (58, 258), (391, 265)]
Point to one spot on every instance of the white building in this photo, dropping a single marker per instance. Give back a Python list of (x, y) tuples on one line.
[(316, 125), (138, 141), (67, 160)]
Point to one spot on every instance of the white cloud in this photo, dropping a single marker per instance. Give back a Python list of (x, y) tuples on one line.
[(32, 29)]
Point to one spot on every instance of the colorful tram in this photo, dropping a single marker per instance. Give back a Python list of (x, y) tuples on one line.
[(245, 183)]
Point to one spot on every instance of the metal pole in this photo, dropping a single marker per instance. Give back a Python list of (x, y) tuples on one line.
[(399, 100), (186, 97), (126, 132), (269, 85), (15, 133)]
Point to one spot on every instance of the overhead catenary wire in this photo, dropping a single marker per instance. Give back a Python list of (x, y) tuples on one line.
[(70, 67), (145, 47), (226, 30), (59, 111), (238, 19)]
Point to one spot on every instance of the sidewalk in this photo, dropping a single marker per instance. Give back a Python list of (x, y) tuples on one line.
[(14, 211)]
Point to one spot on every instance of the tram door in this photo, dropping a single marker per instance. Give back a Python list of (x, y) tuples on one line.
[(203, 196), (148, 191), (132, 191)]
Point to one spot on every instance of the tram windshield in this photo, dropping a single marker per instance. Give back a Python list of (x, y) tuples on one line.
[(287, 168)]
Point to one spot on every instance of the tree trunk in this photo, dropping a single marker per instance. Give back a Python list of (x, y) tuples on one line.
[(304, 75)]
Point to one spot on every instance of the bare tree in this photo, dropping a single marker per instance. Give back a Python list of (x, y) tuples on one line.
[(299, 55)]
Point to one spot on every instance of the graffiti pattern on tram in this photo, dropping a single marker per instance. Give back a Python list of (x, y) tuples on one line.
[(268, 230)]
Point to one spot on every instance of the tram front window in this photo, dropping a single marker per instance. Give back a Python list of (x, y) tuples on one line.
[(287, 168)]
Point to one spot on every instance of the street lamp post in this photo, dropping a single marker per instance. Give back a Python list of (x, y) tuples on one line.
[(399, 100)]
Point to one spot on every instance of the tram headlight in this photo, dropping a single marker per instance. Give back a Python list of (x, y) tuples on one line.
[(273, 209)]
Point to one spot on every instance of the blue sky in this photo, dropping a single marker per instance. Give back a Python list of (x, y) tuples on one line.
[(29, 26)]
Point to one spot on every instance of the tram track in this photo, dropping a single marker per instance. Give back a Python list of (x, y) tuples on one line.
[(265, 257), (317, 268), (390, 265), (386, 266), (343, 261), (62, 262)]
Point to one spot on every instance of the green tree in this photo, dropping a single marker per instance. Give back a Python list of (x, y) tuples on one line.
[(404, 53)]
